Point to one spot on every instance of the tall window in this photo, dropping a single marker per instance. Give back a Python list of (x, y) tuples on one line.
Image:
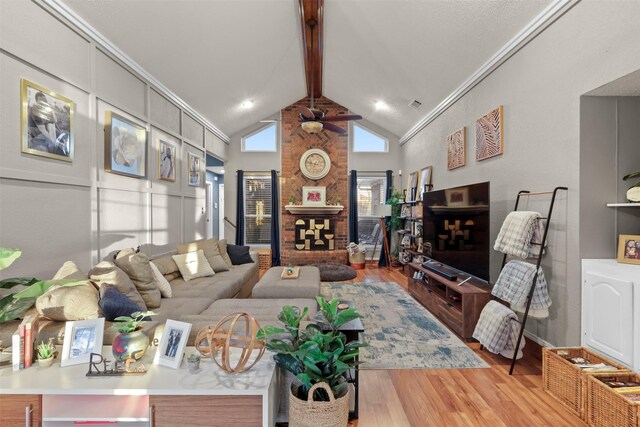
[(367, 141), (264, 139), (257, 208), (372, 190)]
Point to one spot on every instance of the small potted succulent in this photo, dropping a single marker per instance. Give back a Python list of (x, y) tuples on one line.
[(46, 354), (194, 362), (131, 341)]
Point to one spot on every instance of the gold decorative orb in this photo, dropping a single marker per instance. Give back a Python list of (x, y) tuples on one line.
[(235, 331)]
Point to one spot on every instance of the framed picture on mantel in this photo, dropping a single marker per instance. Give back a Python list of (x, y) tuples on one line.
[(314, 196)]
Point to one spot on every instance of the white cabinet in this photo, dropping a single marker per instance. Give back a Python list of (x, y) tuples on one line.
[(611, 310)]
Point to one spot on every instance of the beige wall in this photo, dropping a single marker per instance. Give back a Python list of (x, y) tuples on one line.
[(54, 210), (540, 88)]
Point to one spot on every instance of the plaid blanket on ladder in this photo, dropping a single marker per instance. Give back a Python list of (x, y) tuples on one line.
[(518, 230), (497, 327), (513, 286)]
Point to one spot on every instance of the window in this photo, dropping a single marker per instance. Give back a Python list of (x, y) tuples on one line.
[(264, 139), (372, 191), (257, 210), (367, 141)]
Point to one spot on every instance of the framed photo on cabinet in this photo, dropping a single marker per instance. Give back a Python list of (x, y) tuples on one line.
[(172, 344), (629, 249), (81, 338)]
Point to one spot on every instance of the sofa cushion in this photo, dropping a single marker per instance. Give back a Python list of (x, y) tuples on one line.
[(211, 252), (69, 270), (193, 265), (222, 245), (261, 309), (207, 287), (114, 303), (166, 265), (136, 265), (175, 307), (108, 272), (239, 254), (62, 303), (163, 284)]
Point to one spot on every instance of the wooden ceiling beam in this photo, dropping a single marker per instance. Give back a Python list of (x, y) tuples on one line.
[(311, 12)]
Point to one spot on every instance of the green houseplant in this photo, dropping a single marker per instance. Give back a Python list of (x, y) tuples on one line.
[(46, 353), (315, 357), (131, 341), (395, 223), (633, 194)]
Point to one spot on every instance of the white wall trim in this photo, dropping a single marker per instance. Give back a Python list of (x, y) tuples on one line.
[(537, 339), (104, 43), (552, 12)]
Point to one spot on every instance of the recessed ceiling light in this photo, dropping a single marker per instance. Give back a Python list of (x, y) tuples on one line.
[(222, 171), (381, 105), (247, 104)]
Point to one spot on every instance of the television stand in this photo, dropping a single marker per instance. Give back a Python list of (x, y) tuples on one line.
[(441, 269), (456, 304)]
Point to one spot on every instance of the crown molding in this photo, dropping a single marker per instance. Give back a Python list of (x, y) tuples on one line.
[(82, 25), (545, 18)]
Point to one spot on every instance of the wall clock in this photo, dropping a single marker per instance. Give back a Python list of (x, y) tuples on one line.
[(315, 164)]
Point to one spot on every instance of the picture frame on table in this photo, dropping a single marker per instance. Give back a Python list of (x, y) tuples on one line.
[(314, 196), (46, 122), (629, 249), (81, 338), (167, 160), (194, 170), (172, 344), (125, 147)]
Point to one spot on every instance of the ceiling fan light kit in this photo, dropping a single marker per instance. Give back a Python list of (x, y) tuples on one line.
[(312, 127)]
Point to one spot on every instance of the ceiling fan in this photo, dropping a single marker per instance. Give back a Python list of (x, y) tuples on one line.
[(313, 120)]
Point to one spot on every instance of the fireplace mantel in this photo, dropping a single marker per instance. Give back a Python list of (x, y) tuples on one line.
[(314, 210)]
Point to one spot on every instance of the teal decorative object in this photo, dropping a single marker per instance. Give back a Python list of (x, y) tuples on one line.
[(130, 344)]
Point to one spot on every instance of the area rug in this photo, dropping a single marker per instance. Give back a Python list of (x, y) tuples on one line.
[(400, 332), (335, 272)]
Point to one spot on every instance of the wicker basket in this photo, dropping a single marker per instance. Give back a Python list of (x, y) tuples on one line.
[(605, 407), (309, 413), (565, 381), (264, 259)]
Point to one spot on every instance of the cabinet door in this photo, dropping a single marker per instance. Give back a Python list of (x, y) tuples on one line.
[(20, 410), (206, 411), (608, 315)]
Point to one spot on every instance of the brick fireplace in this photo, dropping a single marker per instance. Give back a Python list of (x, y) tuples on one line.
[(295, 142)]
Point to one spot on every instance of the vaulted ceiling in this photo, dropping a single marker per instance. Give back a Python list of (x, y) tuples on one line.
[(217, 54)]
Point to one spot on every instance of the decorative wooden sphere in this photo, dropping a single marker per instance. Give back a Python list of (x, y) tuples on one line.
[(227, 334)]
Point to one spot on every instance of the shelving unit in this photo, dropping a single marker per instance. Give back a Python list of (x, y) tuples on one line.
[(623, 205), (414, 237)]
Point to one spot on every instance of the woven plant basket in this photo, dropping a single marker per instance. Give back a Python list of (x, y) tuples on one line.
[(605, 407), (309, 413), (566, 382)]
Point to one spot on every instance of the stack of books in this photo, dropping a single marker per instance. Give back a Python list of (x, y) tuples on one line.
[(23, 343), (630, 390), (590, 367)]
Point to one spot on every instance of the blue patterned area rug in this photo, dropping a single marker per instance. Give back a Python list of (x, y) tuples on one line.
[(400, 332)]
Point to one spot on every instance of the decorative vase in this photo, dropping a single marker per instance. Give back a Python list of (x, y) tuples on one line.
[(130, 344), (633, 194), (45, 363), (310, 413)]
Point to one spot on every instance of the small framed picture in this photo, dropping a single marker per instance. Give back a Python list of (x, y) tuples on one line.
[(194, 170), (46, 122), (125, 147), (314, 196), (166, 160), (629, 249), (457, 196), (81, 338), (172, 343)]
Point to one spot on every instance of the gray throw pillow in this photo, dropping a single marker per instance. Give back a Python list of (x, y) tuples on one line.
[(137, 267), (108, 272)]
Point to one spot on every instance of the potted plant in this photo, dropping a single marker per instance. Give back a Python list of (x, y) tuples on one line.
[(194, 362), (396, 201), (633, 194), (132, 341), (318, 355), (46, 353)]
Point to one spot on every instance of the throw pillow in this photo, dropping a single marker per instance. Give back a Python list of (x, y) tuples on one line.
[(114, 303), (108, 272), (193, 265), (64, 303), (222, 245), (211, 253), (239, 254), (136, 265), (69, 270), (166, 265), (163, 284)]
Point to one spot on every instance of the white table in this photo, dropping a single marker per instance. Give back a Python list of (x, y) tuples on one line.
[(69, 395)]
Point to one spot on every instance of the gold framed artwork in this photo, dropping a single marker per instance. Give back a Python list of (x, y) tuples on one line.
[(412, 183), (425, 180), (125, 147), (629, 249), (457, 149), (194, 170), (489, 135), (46, 122), (167, 154)]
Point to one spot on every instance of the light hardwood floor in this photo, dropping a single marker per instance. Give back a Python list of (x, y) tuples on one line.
[(457, 397)]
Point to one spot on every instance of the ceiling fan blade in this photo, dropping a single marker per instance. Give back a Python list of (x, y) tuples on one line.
[(306, 114), (341, 118), (334, 128)]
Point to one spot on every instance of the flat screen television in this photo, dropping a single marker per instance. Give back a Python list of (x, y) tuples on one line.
[(456, 228)]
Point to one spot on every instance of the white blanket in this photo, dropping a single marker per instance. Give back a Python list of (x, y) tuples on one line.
[(517, 232)]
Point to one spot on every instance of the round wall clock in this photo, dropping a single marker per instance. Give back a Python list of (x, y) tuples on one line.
[(315, 164)]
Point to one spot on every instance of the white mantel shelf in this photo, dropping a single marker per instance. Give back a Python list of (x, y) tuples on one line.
[(623, 205), (314, 210)]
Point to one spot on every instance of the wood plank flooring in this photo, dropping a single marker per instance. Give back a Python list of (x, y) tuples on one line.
[(457, 397)]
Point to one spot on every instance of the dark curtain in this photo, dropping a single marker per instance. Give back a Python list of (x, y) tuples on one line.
[(240, 208), (275, 219), (382, 262), (353, 207)]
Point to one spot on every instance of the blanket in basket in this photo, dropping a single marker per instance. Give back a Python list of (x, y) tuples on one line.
[(513, 286)]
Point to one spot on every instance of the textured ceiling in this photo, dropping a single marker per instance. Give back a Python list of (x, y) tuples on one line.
[(215, 54)]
